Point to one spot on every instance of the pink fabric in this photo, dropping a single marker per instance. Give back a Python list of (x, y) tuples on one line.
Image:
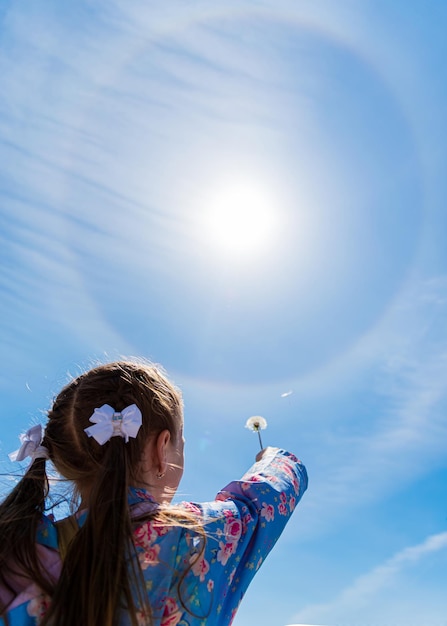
[(23, 587)]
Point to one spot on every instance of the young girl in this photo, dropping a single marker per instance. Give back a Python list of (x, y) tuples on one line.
[(128, 556)]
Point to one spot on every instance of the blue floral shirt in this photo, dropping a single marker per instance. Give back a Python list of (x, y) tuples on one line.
[(188, 584)]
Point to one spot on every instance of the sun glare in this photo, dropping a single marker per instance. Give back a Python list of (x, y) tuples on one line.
[(240, 219)]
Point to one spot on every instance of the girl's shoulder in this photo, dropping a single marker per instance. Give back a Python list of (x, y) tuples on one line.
[(27, 602)]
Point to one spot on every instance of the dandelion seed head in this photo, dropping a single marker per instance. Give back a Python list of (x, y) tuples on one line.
[(256, 423)]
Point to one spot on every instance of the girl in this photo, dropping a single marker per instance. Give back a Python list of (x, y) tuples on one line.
[(128, 556)]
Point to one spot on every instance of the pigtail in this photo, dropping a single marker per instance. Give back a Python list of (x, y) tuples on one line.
[(95, 583), (20, 515)]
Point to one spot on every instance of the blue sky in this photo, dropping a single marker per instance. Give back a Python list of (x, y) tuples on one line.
[(252, 194)]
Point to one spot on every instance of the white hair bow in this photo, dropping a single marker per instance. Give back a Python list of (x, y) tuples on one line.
[(30, 445), (110, 423)]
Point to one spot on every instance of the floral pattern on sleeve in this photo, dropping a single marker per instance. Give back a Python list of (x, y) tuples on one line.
[(38, 606), (242, 526)]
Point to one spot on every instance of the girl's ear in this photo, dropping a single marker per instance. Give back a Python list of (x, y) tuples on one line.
[(161, 446)]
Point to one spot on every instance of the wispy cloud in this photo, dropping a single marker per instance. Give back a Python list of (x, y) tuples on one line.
[(404, 360), (357, 603)]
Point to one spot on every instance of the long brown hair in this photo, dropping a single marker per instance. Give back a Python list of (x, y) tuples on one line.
[(95, 582)]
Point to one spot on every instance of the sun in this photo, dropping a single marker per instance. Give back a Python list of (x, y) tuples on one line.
[(240, 219)]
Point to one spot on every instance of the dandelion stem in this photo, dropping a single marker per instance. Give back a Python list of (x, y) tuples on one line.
[(258, 430)]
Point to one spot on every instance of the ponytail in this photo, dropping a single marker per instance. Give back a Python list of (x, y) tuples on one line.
[(20, 514), (96, 581)]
